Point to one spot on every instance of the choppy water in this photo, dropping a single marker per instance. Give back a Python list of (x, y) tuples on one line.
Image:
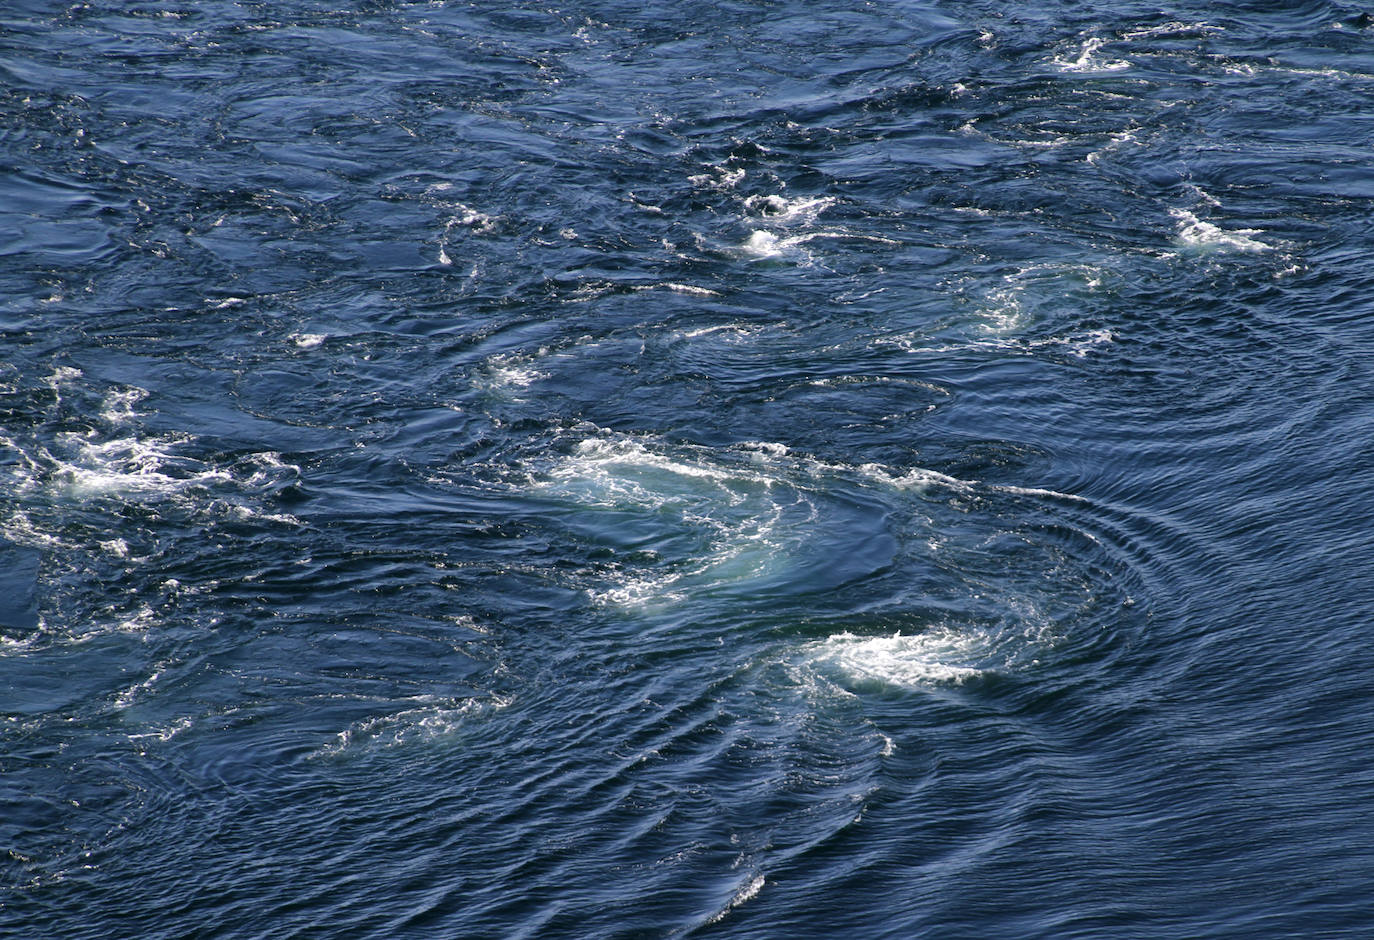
[(751, 469)]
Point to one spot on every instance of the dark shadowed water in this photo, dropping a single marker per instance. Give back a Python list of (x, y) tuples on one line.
[(750, 468)]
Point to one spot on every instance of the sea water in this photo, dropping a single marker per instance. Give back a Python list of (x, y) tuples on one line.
[(748, 468)]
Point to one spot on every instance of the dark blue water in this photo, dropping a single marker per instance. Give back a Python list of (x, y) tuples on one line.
[(749, 469)]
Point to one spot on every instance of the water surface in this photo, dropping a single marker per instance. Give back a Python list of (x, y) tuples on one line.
[(750, 469)]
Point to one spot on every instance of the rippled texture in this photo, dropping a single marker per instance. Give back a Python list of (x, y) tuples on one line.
[(751, 469)]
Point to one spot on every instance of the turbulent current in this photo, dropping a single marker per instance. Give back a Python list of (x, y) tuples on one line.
[(748, 468)]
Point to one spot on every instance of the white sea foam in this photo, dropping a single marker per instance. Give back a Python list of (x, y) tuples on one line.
[(739, 515), (621, 470), (1088, 59), (1005, 313), (511, 371), (904, 660), (918, 478), (643, 206), (1174, 28), (139, 622), (118, 407), (20, 529), (718, 177), (730, 510), (468, 217), (1198, 234), (763, 244), (762, 449), (130, 695), (116, 547), (616, 469), (1038, 491), (62, 375), (308, 340), (640, 591), (272, 463), (748, 514), (783, 211), (131, 465)]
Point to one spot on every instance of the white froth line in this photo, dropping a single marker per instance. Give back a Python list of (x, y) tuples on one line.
[(1038, 491), (603, 454), (707, 330), (1087, 61), (678, 288), (919, 477), (404, 727), (1167, 29), (165, 734), (765, 244), (622, 469), (745, 894)]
